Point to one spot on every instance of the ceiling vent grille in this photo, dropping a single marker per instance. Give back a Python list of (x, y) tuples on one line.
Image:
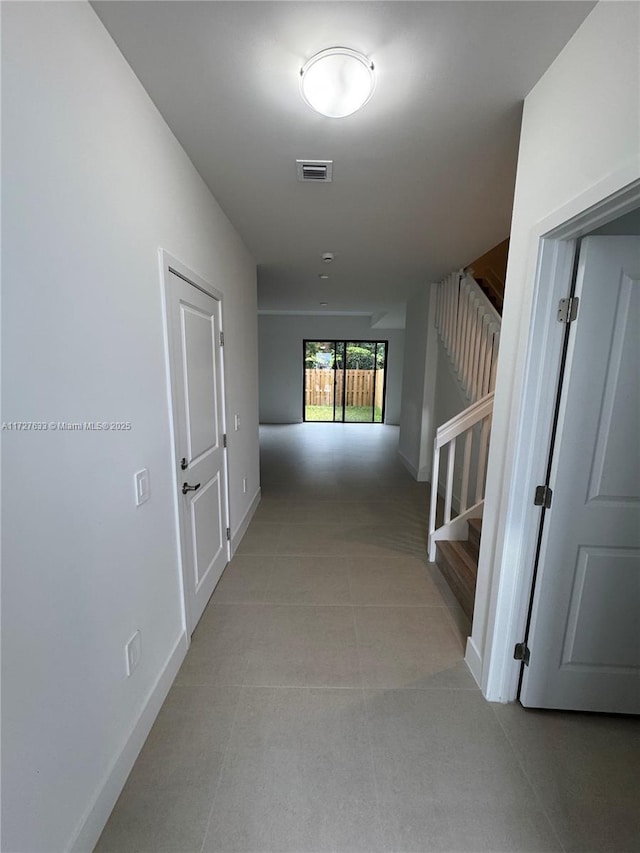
[(315, 170)]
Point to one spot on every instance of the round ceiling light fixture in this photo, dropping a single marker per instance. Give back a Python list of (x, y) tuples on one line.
[(337, 81)]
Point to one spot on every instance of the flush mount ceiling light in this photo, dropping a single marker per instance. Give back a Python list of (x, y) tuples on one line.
[(338, 81)]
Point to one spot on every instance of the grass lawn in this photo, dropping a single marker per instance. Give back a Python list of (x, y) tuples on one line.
[(354, 414)]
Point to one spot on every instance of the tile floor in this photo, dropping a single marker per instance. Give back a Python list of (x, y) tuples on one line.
[(324, 704)]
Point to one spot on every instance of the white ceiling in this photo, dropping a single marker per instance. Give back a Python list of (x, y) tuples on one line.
[(423, 174)]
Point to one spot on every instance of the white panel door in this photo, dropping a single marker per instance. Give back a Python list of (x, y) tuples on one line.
[(196, 382), (584, 639)]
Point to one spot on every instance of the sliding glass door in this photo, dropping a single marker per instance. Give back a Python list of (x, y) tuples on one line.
[(344, 381), (322, 397), (364, 381)]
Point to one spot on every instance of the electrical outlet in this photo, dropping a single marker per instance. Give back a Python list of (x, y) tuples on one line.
[(143, 488), (244, 485), (132, 652)]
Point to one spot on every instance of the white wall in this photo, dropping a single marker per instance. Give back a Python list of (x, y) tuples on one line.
[(280, 347), (93, 184), (579, 144), (450, 398), (418, 419), (449, 401)]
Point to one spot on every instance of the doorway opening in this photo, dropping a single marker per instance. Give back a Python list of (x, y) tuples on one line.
[(508, 593), (583, 608), (344, 381)]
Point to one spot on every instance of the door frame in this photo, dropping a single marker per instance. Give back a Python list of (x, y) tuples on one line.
[(544, 574), (502, 601), (335, 343), (170, 264)]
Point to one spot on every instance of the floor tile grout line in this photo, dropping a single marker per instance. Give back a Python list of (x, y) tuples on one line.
[(530, 781), (451, 622), (222, 768), (374, 772), (240, 688), (383, 687), (241, 602), (347, 566), (268, 583), (386, 688), (368, 730), (244, 603)]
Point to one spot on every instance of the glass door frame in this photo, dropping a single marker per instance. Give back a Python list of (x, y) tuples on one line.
[(344, 369)]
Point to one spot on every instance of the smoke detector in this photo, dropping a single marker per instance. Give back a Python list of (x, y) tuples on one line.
[(318, 171), (327, 257)]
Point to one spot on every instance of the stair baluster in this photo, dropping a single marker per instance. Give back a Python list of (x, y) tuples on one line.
[(469, 328)]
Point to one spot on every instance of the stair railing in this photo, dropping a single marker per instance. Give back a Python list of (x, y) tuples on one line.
[(469, 327), (464, 424)]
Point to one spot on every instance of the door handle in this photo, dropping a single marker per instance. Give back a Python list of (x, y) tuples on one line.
[(187, 488)]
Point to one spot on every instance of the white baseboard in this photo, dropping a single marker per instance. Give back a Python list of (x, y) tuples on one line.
[(241, 529), (87, 834), (424, 475), (420, 474), (473, 659)]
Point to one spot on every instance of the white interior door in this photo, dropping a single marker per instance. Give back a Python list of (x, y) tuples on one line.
[(193, 320), (584, 638)]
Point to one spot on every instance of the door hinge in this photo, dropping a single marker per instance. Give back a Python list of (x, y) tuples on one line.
[(221, 339), (543, 496), (521, 652), (224, 440), (228, 534), (568, 309)]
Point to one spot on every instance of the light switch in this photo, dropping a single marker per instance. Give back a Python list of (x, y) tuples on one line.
[(142, 486), (237, 422)]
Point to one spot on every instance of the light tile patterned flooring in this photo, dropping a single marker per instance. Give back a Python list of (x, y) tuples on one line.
[(324, 704)]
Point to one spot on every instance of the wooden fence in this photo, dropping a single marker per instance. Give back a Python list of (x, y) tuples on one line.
[(361, 387)]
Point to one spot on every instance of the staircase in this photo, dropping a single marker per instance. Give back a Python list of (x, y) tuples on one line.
[(458, 562), (490, 271), (468, 321)]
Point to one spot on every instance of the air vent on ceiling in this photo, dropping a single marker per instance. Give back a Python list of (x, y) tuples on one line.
[(315, 170)]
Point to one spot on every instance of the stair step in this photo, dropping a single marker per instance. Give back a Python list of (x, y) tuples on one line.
[(475, 532), (460, 569)]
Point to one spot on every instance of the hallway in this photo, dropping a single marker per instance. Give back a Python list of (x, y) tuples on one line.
[(325, 705)]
